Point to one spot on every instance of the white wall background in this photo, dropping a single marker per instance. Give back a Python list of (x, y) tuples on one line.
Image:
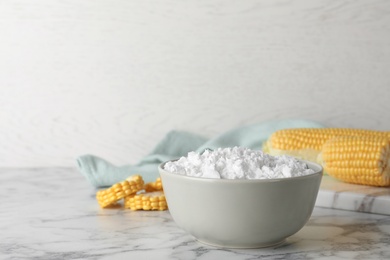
[(112, 77)]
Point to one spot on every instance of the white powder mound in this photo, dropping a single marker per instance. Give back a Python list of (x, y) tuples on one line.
[(237, 163)]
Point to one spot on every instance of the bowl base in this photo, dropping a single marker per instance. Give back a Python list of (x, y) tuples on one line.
[(274, 244)]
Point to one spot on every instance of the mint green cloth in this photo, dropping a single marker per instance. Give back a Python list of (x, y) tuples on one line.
[(101, 173)]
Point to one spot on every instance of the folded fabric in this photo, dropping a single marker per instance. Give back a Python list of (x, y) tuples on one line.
[(101, 173)]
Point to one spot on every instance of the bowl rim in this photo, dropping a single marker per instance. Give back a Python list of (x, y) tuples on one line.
[(202, 179)]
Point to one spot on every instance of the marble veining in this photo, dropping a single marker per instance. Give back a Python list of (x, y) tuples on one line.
[(51, 213), (361, 198)]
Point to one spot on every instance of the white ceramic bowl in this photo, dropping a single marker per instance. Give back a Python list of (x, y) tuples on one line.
[(241, 213)]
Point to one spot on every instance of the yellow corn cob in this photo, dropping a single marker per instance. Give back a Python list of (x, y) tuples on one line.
[(306, 143), (146, 201), (153, 186), (360, 160), (119, 190)]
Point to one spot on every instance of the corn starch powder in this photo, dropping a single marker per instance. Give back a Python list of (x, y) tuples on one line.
[(237, 163)]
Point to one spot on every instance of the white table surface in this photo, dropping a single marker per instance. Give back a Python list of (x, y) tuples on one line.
[(51, 213), (361, 198)]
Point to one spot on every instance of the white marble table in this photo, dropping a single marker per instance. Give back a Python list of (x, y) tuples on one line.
[(51, 213)]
